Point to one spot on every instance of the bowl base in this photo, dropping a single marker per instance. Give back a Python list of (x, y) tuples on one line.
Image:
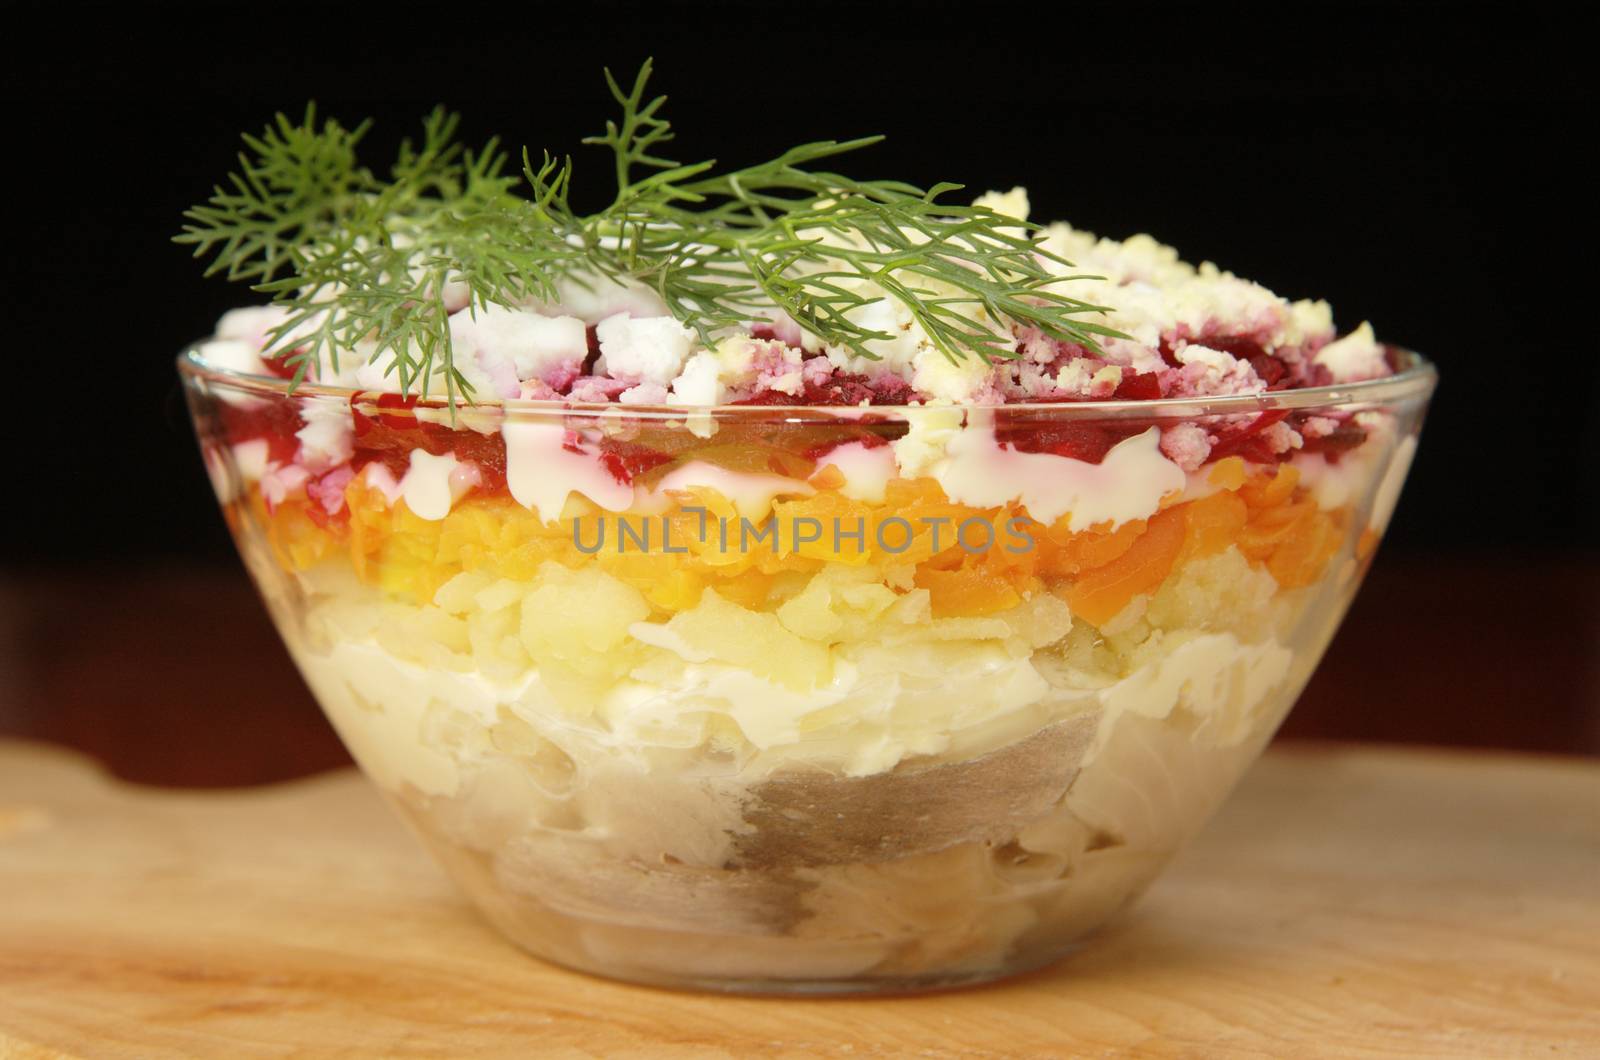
[(856, 986), (705, 956)]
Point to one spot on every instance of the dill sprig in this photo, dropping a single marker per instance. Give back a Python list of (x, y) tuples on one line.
[(353, 257)]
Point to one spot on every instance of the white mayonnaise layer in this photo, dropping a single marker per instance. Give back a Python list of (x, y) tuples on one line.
[(418, 725), (751, 493), (1213, 675), (542, 473), (433, 484), (866, 471), (973, 468), (380, 705), (1128, 484)]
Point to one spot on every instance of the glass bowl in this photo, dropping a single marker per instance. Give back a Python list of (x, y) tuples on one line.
[(804, 700)]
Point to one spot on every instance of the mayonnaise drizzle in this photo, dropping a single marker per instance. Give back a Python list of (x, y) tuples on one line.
[(542, 473), (434, 483), (866, 471), (1128, 484), (750, 493)]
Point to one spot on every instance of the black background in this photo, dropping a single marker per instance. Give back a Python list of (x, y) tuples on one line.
[(1415, 166)]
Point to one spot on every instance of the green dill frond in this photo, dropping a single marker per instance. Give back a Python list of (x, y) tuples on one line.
[(358, 259)]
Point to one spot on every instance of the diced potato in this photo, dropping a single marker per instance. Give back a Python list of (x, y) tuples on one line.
[(1220, 592), (1043, 618), (839, 603), (495, 642), (456, 595), (427, 636), (574, 626), (500, 594), (754, 640), (577, 616), (811, 614)]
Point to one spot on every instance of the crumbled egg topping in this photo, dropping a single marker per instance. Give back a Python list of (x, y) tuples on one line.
[(1171, 311)]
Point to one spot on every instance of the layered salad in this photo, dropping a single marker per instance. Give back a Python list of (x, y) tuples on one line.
[(889, 638)]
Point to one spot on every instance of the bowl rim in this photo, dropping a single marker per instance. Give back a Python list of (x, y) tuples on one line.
[(1416, 380)]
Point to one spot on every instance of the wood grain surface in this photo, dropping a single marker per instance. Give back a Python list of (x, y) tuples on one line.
[(1347, 902)]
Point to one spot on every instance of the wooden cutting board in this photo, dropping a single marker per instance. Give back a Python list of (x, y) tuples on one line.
[(1348, 902)]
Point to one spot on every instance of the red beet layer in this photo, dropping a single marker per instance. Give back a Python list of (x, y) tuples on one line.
[(385, 430)]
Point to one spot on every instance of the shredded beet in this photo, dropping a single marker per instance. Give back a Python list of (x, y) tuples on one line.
[(1168, 349), (842, 388), (1138, 386), (1089, 442), (1269, 368), (278, 367), (1246, 440), (389, 439), (1342, 439), (274, 420), (386, 429), (627, 460), (867, 440), (1244, 347)]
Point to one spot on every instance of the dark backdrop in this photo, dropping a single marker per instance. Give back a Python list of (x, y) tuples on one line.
[(1413, 167)]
